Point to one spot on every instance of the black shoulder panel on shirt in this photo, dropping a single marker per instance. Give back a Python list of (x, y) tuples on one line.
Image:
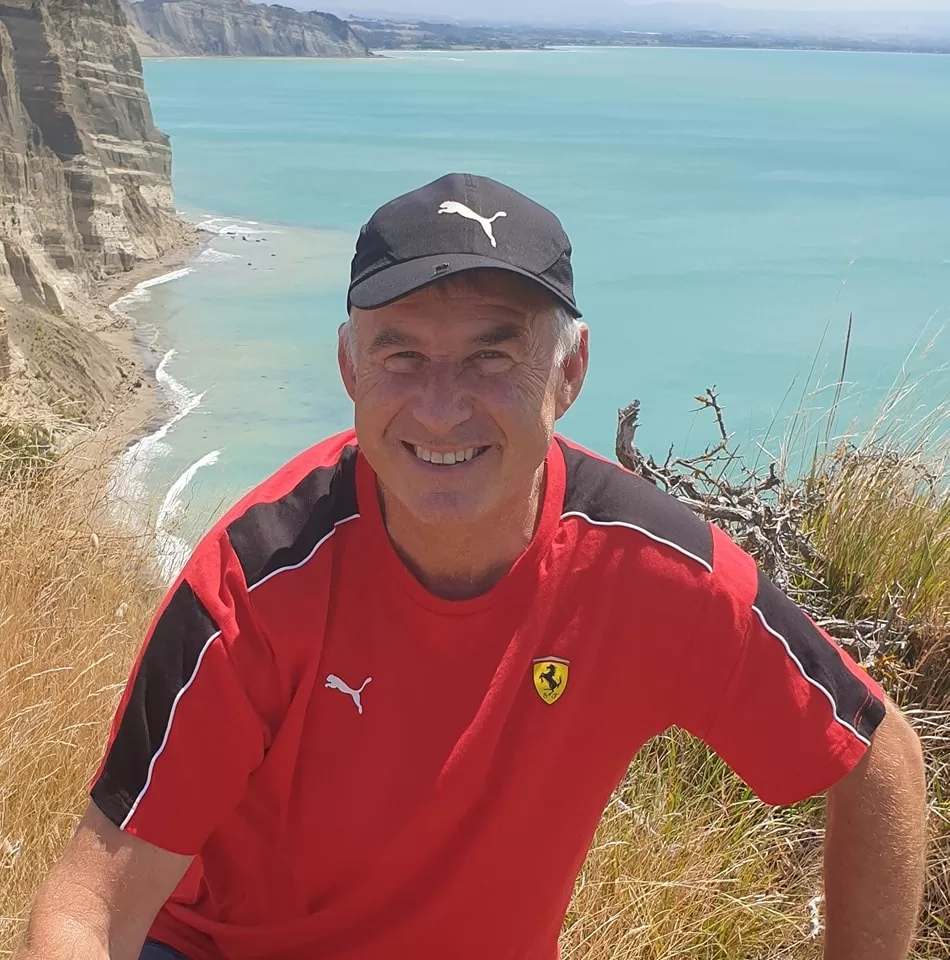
[(606, 494), (817, 659), (282, 534), (168, 664)]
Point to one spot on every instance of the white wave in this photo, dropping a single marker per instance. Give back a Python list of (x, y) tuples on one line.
[(240, 228), (140, 292), (210, 255), (172, 550), (231, 226), (211, 223), (164, 278), (128, 489)]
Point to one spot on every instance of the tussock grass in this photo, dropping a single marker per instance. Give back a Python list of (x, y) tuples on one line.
[(880, 518), (686, 862), (24, 450), (75, 599)]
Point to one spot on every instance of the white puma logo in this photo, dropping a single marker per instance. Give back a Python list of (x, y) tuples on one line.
[(453, 206), (335, 683)]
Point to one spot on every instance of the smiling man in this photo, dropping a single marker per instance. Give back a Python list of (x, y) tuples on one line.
[(425, 647)]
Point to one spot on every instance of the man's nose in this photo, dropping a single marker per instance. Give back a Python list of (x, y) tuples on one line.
[(443, 403)]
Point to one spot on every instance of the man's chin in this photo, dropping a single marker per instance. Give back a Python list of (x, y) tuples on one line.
[(445, 509)]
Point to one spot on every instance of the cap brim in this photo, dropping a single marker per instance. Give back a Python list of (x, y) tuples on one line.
[(391, 283)]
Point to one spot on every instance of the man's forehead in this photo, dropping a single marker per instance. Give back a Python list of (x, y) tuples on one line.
[(467, 317), (492, 333)]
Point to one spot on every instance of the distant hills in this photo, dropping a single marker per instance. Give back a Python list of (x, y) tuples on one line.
[(168, 28), (660, 17), (385, 35)]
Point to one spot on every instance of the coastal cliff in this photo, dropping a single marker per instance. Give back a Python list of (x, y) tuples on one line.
[(169, 28), (85, 185)]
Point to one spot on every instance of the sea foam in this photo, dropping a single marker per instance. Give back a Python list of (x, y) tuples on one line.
[(139, 294), (173, 551), (128, 488), (229, 227), (210, 255)]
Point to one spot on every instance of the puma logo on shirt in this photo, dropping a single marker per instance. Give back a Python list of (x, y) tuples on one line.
[(335, 683)]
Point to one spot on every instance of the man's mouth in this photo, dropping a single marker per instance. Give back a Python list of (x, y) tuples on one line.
[(446, 458)]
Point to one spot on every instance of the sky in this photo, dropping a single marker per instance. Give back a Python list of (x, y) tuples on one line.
[(827, 6), (540, 7), (823, 6)]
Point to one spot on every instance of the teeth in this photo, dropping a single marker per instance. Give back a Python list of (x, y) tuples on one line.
[(447, 459)]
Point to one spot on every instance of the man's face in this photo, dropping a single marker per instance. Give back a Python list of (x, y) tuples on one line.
[(456, 390)]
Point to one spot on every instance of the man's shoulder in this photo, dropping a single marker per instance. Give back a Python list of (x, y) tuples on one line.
[(604, 494), (280, 523)]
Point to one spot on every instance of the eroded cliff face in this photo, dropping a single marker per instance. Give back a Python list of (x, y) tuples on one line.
[(85, 178), (169, 28)]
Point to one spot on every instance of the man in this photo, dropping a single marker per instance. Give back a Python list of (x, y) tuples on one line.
[(424, 647)]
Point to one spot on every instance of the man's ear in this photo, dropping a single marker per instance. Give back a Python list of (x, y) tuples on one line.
[(347, 370), (573, 372)]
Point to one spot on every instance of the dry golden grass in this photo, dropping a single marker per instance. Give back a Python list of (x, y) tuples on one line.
[(882, 523), (881, 520), (686, 863), (74, 604)]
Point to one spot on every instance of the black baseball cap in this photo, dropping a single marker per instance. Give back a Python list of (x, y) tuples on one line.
[(456, 223)]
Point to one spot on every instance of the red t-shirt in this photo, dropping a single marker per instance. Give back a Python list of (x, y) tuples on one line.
[(365, 771)]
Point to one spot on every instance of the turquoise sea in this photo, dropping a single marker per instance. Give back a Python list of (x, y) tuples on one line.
[(728, 209)]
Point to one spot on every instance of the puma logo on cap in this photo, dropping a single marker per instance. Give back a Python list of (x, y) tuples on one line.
[(453, 206)]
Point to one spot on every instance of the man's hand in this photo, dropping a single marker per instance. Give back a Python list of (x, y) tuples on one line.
[(875, 848), (100, 899)]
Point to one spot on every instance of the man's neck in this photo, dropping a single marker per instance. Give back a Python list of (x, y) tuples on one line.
[(459, 562)]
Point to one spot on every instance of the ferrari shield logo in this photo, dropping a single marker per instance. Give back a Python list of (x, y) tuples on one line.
[(550, 678)]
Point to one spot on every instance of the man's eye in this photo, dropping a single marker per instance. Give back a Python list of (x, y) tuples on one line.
[(492, 361), (408, 361)]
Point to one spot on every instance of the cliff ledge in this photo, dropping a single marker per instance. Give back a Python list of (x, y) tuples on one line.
[(85, 189), (237, 28)]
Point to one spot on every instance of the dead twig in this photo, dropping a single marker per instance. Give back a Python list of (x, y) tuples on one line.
[(766, 515)]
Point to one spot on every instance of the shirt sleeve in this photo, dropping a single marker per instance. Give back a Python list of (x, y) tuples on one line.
[(189, 731), (771, 693)]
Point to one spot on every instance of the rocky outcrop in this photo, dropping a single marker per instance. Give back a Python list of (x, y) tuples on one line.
[(169, 28), (85, 177)]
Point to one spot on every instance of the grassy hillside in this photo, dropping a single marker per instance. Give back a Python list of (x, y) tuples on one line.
[(686, 863)]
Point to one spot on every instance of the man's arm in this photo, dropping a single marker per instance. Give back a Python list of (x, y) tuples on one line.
[(101, 897), (875, 848)]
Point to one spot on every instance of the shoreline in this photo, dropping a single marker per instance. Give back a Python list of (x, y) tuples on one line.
[(138, 407), (131, 403)]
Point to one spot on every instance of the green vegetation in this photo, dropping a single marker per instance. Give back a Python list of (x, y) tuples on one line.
[(24, 450)]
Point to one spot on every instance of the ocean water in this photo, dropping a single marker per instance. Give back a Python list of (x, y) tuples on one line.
[(728, 209)]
